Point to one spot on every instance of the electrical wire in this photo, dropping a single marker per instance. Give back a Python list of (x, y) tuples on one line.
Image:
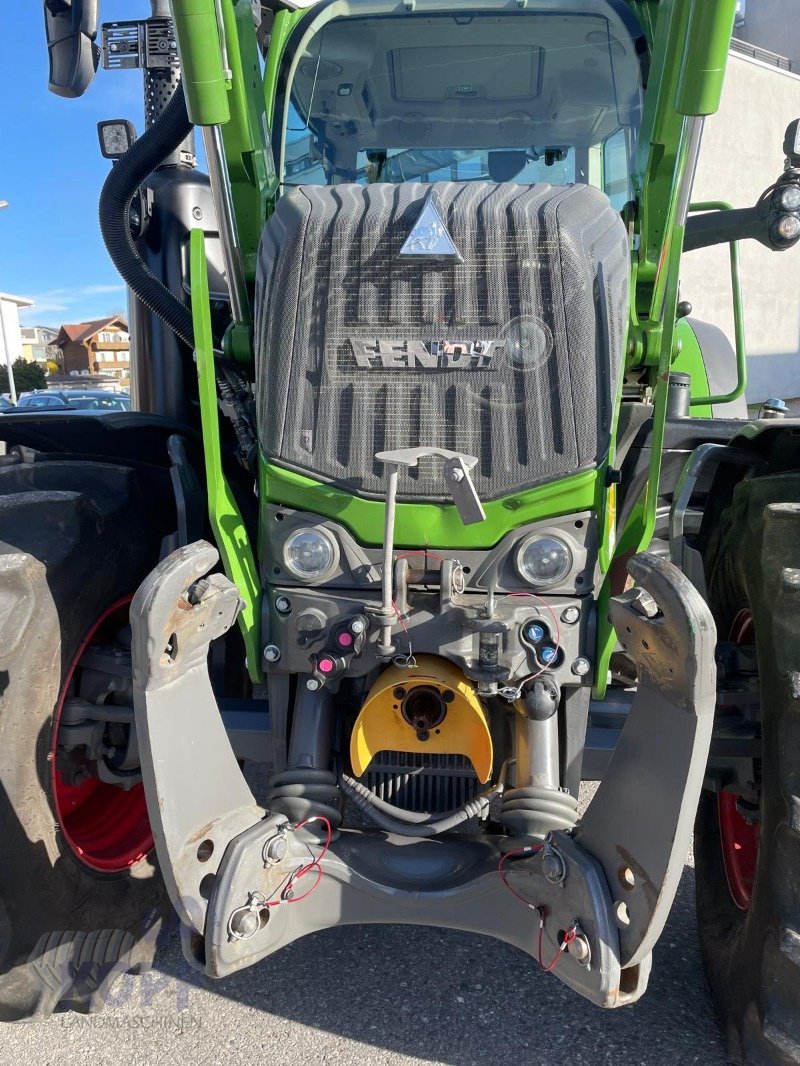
[(569, 936), (404, 660), (315, 864), (421, 551), (530, 849), (546, 605), (540, 908), (257, 902)]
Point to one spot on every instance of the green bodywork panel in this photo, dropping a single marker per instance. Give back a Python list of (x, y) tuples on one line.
[(202, 72), (689, 360), (247, 149), (430, 524), (227, 523)]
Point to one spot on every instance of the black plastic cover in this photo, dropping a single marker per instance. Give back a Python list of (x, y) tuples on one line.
[(510, 351), (71, 28)]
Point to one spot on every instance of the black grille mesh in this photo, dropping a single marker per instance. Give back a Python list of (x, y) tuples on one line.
[(433, 783), (544, 275)]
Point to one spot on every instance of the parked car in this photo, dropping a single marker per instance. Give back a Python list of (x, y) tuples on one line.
[(73, 399)]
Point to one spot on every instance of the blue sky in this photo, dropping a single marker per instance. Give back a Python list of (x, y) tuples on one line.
[(51, 172)]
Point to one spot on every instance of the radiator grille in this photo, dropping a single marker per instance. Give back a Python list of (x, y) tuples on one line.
[(544, 280), (433, 783)]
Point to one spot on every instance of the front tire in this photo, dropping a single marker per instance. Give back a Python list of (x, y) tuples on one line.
[(76, 539)]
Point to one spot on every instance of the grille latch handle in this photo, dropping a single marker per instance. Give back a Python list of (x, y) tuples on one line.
[(457, 468)]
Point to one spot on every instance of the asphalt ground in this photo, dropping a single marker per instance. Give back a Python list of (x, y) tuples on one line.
[(387, 994)]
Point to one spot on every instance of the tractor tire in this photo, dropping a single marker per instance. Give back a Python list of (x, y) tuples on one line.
[(748, 879), (76, 539)]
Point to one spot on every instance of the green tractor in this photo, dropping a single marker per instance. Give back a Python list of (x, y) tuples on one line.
[(426, 510)]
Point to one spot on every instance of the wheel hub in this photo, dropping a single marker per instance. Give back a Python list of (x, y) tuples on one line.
[(105, 823)]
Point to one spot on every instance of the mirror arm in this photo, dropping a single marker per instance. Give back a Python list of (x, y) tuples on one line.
[(721, 227)]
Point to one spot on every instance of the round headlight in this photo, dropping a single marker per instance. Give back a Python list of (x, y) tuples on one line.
[(790, 197), (544, 560), (310, 554)]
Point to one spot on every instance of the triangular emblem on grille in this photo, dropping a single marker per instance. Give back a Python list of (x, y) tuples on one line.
[(429, 238)]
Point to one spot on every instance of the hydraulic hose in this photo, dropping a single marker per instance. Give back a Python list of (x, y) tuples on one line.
[(406, 823), (127, 174)]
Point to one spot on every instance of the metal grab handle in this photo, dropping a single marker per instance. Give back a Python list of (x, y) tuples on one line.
[(687, 482), (738, 317)]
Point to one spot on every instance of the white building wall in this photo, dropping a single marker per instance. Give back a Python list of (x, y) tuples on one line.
[(774, 25), (10, 333), (742, 154)]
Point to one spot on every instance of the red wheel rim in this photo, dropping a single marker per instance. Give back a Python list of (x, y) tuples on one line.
[(738, 836), (739, 849), (106, 827)]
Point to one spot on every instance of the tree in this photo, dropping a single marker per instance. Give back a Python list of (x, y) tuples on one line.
[(27, 377)]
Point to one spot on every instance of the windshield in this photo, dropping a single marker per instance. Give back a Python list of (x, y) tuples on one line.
[(526, 96)]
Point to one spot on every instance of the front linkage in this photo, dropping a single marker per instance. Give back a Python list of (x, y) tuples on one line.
[(246, 881)]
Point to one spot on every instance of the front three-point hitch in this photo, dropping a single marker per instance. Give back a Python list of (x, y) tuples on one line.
[(588, 902)]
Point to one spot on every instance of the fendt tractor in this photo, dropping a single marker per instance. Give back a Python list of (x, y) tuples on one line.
[(437, 500)]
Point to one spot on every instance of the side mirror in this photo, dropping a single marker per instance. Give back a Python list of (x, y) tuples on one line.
[(71, 30)]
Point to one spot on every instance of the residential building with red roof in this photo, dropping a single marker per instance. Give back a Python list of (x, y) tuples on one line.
[(101, 346)]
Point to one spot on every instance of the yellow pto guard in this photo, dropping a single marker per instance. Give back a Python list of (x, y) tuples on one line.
[(431, 709)]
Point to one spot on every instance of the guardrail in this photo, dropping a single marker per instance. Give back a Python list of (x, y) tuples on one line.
[(763, 55)]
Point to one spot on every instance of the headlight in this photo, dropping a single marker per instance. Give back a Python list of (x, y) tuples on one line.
[(789, 197), (544, 560), (788, 227), (310, 554)]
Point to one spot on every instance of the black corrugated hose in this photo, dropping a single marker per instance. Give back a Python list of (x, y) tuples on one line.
[(127, 174), (395, 820)]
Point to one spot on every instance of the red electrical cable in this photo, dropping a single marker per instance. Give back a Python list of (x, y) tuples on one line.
[(570, 934), (433, 555), (402, 621), (530, 849), (315, 864)]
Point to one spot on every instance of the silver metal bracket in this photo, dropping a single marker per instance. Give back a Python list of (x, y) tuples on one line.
[(197, 798), (639, 823), (457, 467), (456, 472)]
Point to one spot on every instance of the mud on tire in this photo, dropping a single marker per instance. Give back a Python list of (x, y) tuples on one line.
[(75, 538)]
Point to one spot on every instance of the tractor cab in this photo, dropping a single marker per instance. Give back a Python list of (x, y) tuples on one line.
[(535, 95)]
